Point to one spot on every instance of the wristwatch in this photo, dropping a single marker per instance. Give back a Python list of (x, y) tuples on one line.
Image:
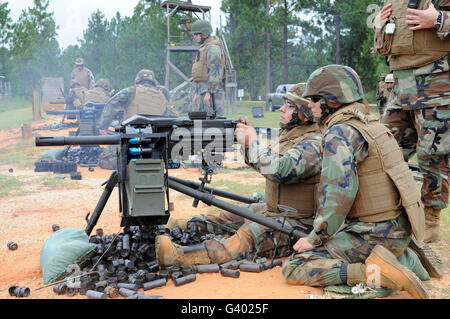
[(438, 23)]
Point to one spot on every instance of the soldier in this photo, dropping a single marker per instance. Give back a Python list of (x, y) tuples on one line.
[(418, 113), (100, 93), (290, 169), (208, 70), (369, 204), (76, 94), (82, 75), (384, 91), (145, 97)]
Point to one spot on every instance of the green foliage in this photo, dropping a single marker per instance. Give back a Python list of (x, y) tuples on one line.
[(9, 185)]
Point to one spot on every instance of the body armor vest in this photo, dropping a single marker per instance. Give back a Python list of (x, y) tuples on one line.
[(301, 196), (147, 100), (97, 95), (200, 66), (386, 186), (81, 77), (406, 48)]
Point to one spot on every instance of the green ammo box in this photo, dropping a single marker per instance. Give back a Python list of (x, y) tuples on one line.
[(145, 188)]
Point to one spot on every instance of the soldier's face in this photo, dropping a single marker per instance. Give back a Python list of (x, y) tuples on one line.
[(287, 110), (315, 108), (197, 37)]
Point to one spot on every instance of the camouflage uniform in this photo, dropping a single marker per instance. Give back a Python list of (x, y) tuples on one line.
[(337, 240), (76, 94), (382, 96), (84, 76), (215, 66), (418, 115)]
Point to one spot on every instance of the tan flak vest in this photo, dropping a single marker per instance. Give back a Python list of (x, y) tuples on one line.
[(200, 66), (81, 77), (96, 95), (386, 186), (406, 48), (301, 196), (147, 100)]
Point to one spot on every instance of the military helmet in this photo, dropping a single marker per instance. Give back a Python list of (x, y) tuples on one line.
[(145, 75), (335, 83), (389, 78), (201, 26), (79, 62), (103, 83), (382, 77), (295, 95)]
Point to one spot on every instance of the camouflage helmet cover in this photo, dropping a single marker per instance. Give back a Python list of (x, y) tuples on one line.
[(79, 62), (382, 77), (336, 83), (103, 83), (201, 26), (295, 95), (145, 75)]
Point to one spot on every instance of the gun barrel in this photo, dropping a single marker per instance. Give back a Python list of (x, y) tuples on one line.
[(77, 140), (243, 212), (62, 112)]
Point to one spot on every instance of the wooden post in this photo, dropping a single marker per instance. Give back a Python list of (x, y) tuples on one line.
[(27, 131), (36, 106)]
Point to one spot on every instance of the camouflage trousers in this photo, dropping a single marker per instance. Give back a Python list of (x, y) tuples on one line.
[(247, 236), (427, 133), (326, 265), (218, 100)]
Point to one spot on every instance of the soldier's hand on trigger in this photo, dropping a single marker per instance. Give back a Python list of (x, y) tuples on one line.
[(302, 244), (194, 100), (207, 99), (245, 133), (422, 19), (383, 16)]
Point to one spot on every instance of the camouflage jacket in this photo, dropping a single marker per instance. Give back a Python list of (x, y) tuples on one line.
[(429, 85), (298, 163), (343, 148), (120, 100), (215, 72), (91, 78)]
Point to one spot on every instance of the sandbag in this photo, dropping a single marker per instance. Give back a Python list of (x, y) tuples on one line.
[(64, 247)]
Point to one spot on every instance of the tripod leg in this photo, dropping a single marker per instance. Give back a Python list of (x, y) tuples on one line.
[(110, 184)]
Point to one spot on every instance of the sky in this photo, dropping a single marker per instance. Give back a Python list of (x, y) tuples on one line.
[(72, 15)]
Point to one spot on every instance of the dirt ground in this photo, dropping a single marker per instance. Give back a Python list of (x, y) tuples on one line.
[(27, 219)]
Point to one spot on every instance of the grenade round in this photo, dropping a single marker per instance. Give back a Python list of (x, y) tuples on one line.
[(184, 280), (12, 245), (251, 267), (95, 294), (155, 284), (134, 287), (230, 273)]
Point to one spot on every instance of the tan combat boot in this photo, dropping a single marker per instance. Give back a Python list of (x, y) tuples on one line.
[(392, 274), (428, 257), (432, 221), (171, 254), (173, 222)]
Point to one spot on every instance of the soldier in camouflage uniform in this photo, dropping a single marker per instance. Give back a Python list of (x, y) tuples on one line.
[(360, 227), (145, 97), (384, 91), (101, 92), (208, 70), (290, 167), (82, 75), (418, 113), (76, 94)]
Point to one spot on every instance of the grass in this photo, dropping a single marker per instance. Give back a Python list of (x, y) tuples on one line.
[(9, 186), (23, 153), (238, 188), (14, 112), (51, 181)]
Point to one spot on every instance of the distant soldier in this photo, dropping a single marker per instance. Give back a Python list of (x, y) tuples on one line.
[(384, 91), (100, 93), (82, 75), (208, 70), (145, 97), (76, 94)]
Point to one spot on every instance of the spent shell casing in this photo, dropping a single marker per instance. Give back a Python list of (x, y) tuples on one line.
[(184, 280), (230, 273), (155, 284)]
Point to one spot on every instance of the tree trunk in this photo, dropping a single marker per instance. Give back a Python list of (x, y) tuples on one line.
[(337, 19), (267, 77), (285, 44)]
